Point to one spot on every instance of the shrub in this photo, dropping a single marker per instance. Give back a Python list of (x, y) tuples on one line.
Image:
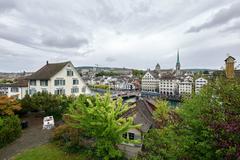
[(8, 105), (70, 138), (54, 105), (10, 129)]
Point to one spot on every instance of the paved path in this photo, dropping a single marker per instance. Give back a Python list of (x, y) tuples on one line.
[(31, 137)]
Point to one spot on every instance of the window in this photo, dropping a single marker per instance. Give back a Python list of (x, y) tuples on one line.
[(125, 135), (75, 90), (84, 89), (60, 91), (33, 83), (75, 81), (44, 90), (43, 82), (131, 136), (59, 82), (32, 91), (14, 89), (69, 73)]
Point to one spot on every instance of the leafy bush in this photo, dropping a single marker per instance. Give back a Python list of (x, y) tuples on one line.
[(10, 129), (8, 105), (55, 105)]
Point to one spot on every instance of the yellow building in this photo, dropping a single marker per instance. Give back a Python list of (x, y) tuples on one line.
[(230, 67)]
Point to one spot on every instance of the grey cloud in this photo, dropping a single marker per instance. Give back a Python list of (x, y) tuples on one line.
[(110, 59), (233, 28), (6, 5), (81, 30), (64, 42), (220, 18)]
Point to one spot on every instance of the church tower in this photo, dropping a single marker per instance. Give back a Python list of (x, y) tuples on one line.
[(158, 68), (178, 65), (230, 67)]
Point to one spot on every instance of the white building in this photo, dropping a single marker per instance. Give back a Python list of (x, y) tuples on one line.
[(185, 87), (150, 81), (57, 78), (17, 90), (199, 83), (168, 86)]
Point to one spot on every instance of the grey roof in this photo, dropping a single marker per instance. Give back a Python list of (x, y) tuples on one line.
[(168, 76), (143, 112), (47, 71), (21, 82), (155, 74)]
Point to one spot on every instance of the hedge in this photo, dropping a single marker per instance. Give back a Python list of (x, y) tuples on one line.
[(10, 129)]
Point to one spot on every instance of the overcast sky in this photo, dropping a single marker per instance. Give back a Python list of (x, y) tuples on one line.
[(120, 33)]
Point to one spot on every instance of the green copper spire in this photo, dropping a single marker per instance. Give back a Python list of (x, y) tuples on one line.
[(178, 61)]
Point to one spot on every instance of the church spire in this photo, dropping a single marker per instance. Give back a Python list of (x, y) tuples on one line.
[(178, 61), (178, 65)]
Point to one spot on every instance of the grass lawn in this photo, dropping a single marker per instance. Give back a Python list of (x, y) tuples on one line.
[(47, 152)]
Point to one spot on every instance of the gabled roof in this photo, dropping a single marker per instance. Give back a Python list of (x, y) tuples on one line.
[(47, 71), (155, 74), (143, 112)]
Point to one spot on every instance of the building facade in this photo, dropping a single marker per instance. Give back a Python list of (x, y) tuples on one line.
[(168, 86), (185, 88), (199, 83), (150, 81), (18, 89)]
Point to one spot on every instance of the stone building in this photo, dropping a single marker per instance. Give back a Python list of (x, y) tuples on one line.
[(229, 67)]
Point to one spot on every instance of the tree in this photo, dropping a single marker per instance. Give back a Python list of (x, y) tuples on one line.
[(101, 118), (208, 127), (8, 105), (137, 73)]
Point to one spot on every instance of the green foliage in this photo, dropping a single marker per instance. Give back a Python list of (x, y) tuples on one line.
[(208, 127), (10, 129), (69, 138), (101, 118), (137, 73), (100, 86), (5, 81), (102, 73), (51, 104), (161, 110), (8, 105)]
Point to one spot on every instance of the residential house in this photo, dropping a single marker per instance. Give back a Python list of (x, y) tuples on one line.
[(17, 89), (57, 78), (143, 115)]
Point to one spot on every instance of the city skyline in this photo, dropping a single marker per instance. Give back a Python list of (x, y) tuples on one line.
[(131, 34)]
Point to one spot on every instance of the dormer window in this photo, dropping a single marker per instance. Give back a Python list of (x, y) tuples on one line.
[(69, 73)]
